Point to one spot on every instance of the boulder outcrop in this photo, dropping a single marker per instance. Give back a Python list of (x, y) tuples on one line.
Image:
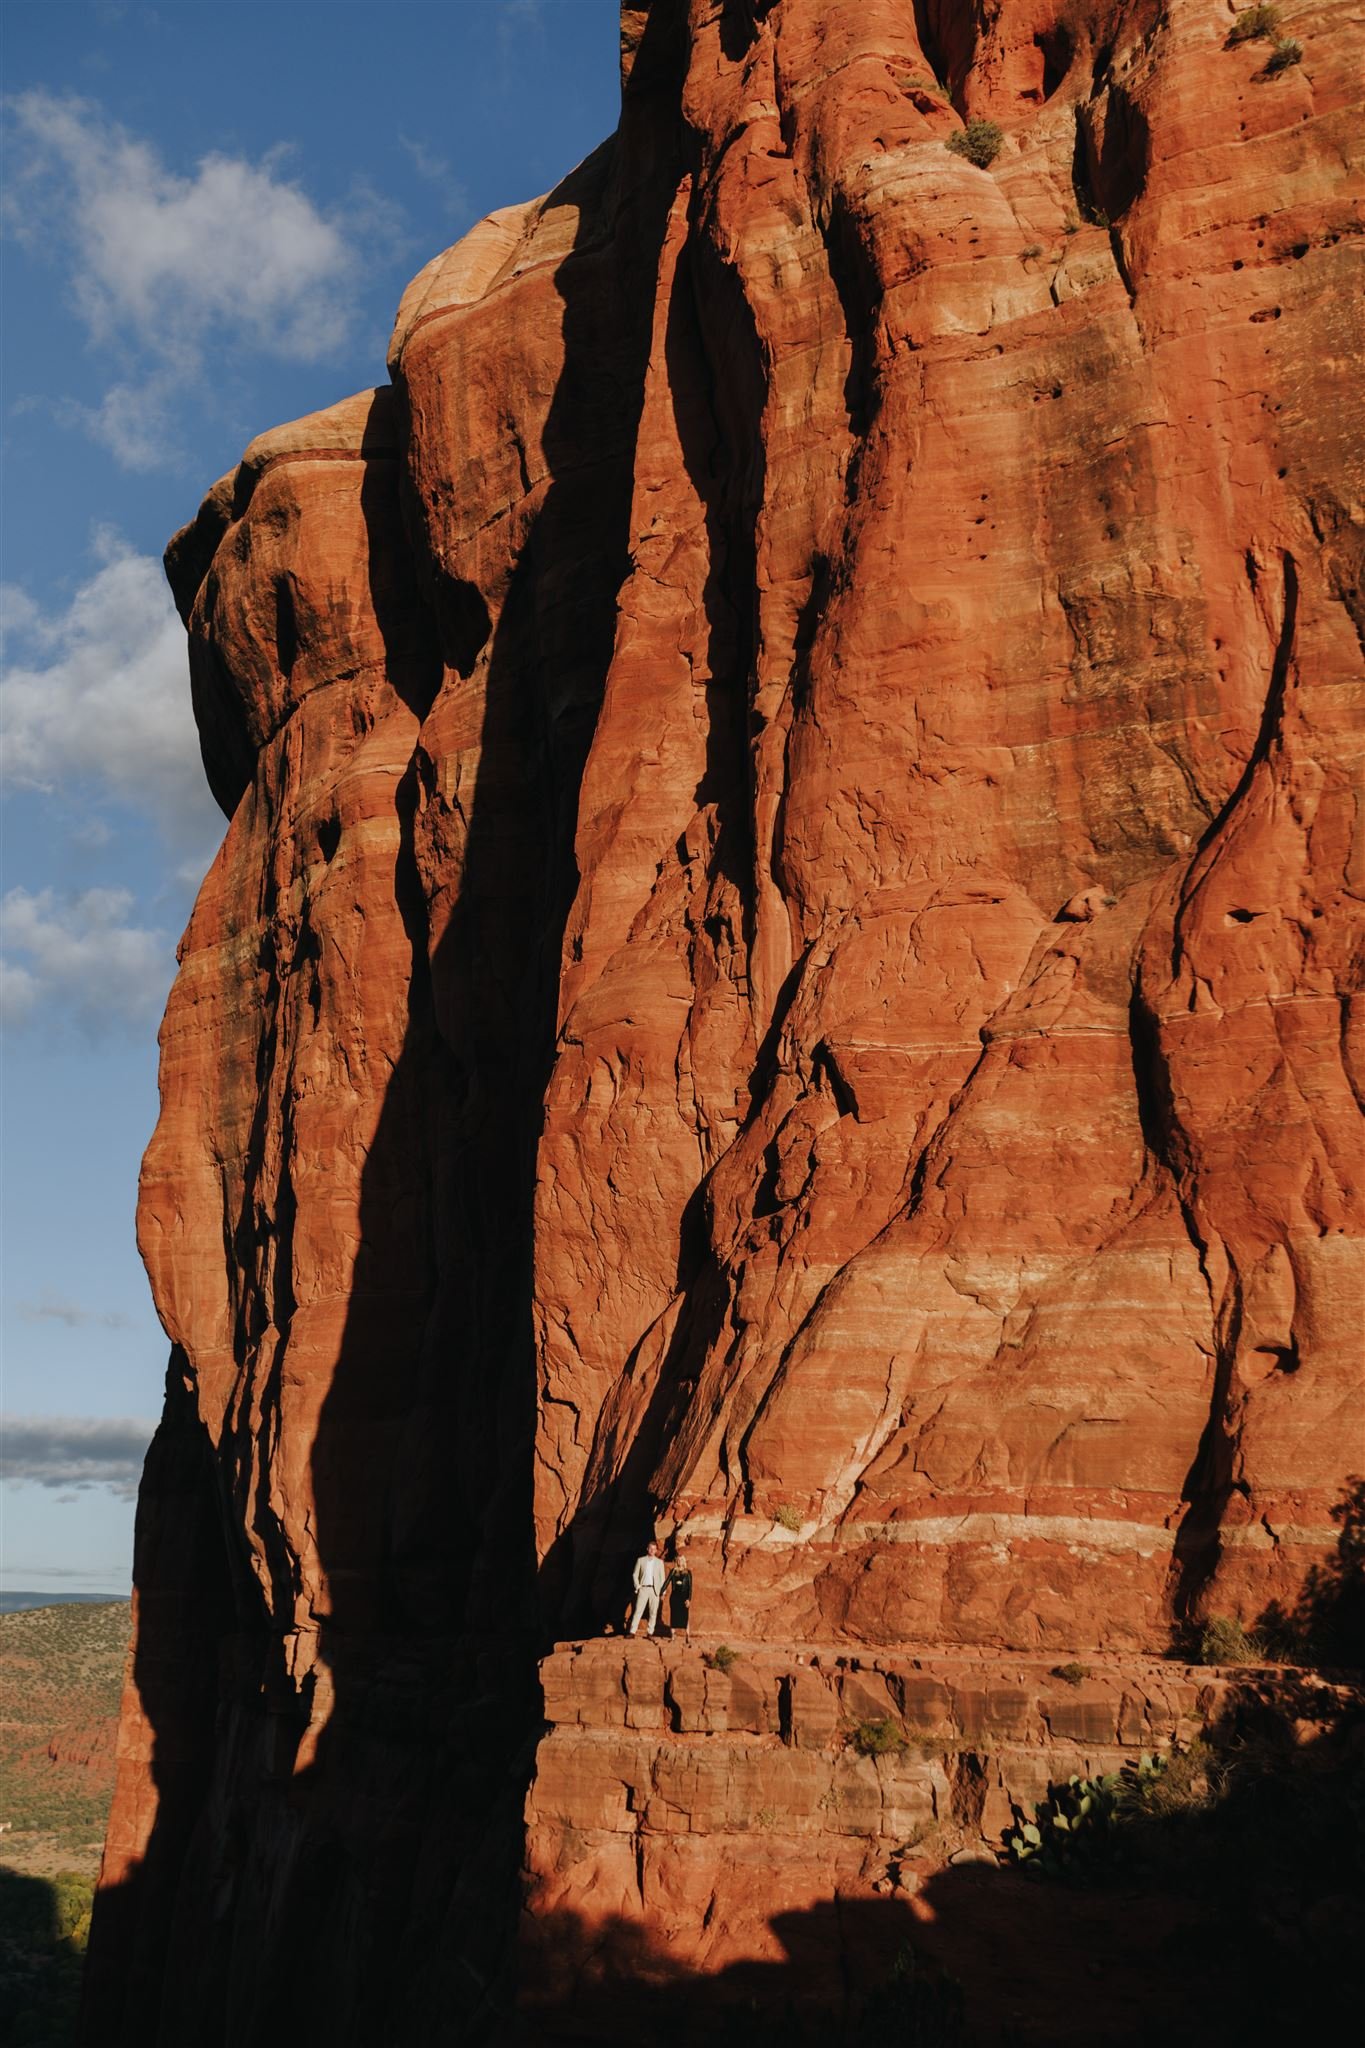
[(785, 970)]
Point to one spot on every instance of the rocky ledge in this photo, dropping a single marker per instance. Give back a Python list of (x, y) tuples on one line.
[(716, 1828)]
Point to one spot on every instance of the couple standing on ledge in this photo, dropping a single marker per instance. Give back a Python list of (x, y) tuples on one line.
[(653, 1581)]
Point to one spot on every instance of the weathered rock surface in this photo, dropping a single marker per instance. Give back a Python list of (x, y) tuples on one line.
[(785, 964)]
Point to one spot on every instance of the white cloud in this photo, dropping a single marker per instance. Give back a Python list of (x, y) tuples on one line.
[(162, 263), (97, 696), (74, 1453), (83, 961)]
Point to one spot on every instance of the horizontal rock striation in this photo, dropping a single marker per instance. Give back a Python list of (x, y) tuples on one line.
[(784, 968)]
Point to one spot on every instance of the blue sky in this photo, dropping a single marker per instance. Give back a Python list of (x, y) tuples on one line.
[(209, 211)]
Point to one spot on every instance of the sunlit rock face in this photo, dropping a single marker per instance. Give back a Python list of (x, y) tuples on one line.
[(782, 967)]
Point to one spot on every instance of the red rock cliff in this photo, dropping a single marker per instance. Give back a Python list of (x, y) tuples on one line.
[(786, 960)]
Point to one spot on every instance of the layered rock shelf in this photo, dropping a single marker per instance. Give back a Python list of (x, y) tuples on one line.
[(784, 971), (702, 1831)]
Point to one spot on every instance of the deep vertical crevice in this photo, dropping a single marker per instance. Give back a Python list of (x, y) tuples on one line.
[(717, 412), (1272, 713), (717, 376), (854, 277), (1058, 52), (1207, 1485), (947, 34)]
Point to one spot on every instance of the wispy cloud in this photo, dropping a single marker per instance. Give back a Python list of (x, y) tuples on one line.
[(161, 261), (97, 695), (40, 1572), (51, 1309), (438, 172), (80, 960), (520, 18), (72, 1454), (135, 422)]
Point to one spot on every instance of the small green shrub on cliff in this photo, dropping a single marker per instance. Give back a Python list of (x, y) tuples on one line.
[(722, 1657), (1254, 24), (1074, 1674), (878, 1738), (787, 1517), (979, 142), (1224, 1640), (1286, 52)]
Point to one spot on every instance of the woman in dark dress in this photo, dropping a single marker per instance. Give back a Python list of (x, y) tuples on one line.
[(678, 1593)]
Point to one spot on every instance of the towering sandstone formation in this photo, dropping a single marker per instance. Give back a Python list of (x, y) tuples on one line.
[(782, 968)]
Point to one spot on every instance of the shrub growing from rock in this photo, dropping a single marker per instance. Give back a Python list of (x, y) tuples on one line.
[(878, 1738), (1255, 24), (979, 142), (1224, 1640)]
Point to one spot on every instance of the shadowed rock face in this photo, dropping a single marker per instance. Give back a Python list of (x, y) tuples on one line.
[(785, 942)]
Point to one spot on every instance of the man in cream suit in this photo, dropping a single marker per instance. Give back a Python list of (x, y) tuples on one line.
[(649, 1585)]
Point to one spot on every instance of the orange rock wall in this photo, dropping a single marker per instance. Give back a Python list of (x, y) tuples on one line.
[(785, 943)]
